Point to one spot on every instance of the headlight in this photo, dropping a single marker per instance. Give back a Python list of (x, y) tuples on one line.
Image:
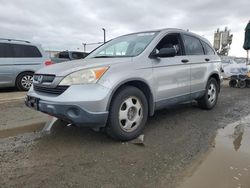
[(86, 76)]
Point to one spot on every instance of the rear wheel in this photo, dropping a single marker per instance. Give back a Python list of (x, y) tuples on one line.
[(233, 83), (242, 84), (128, 114), (24, 81), (209, 100), (248, 83)]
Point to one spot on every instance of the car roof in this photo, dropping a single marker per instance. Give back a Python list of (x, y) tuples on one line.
[(17, 41), (165, 30)]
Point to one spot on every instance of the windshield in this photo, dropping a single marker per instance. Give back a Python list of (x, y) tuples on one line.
[(124, 46)]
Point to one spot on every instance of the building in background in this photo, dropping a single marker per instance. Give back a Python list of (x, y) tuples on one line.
[(222, 41)]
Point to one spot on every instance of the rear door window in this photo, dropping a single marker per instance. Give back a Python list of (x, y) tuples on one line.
[(5, 50), (25, 51), (208, 50), (192, 45)]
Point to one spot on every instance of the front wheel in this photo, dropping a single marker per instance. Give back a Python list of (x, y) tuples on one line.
[(24, 81), (209, 100), (128, 114)]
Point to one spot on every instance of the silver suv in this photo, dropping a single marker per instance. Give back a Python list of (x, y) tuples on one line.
[(127, 79), (18, 61)]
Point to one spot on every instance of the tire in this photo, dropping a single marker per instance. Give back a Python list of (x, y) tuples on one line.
[(24, 81), (242, 84), (248, 83), (233, 83), (209, 100), (128, 114)]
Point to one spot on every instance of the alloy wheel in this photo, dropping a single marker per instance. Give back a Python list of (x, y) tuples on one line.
[(27, 81)]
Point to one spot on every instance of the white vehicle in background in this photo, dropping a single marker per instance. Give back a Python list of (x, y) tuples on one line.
[(18, 61), (231, 67)]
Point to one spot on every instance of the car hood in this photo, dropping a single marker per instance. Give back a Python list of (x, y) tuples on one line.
[(65, 68)]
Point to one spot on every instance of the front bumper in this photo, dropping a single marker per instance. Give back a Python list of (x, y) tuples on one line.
[(70, 113), (84, 105)]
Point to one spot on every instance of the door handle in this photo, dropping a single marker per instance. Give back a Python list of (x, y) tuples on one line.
[(184, 61), (207, 59)]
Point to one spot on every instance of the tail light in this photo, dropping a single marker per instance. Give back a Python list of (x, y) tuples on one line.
[(49, 62)]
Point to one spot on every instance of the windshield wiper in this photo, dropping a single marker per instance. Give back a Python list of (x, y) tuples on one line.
[(102, 56), (110, 56)]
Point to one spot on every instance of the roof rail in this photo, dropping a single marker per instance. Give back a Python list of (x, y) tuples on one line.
[(15, 40)]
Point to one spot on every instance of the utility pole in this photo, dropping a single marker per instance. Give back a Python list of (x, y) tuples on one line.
[(84, 46), (90, 44), (104, 35), (94, 43)]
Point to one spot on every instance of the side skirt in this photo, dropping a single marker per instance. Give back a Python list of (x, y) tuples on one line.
[(179, 99)]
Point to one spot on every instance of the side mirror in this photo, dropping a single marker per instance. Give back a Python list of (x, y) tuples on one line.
[(164, 52)]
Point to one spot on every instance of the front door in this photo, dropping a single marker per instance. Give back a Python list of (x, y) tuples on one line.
[(171, 74)]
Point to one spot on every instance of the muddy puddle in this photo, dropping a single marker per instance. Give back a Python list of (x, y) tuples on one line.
[(228, 164)]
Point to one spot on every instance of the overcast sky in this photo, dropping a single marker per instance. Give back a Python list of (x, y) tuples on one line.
[(65, 24)]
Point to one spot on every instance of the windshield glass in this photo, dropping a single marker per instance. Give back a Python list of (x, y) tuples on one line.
[(124, 46)]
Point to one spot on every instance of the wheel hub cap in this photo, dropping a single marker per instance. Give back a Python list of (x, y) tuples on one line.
[(27, 81), (212, 93), (130, 114)]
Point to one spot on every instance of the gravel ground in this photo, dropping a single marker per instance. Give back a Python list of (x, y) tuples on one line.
[(77, 157)]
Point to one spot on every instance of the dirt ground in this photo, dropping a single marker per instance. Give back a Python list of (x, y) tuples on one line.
[(175, 139), (13, 112)]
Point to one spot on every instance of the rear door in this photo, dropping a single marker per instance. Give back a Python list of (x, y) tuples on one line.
[(198, 62), (27, 58), (6, 62), (171, 74)]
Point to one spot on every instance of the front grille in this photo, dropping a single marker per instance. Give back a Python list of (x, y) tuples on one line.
[(43, 78), (56, 91)]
